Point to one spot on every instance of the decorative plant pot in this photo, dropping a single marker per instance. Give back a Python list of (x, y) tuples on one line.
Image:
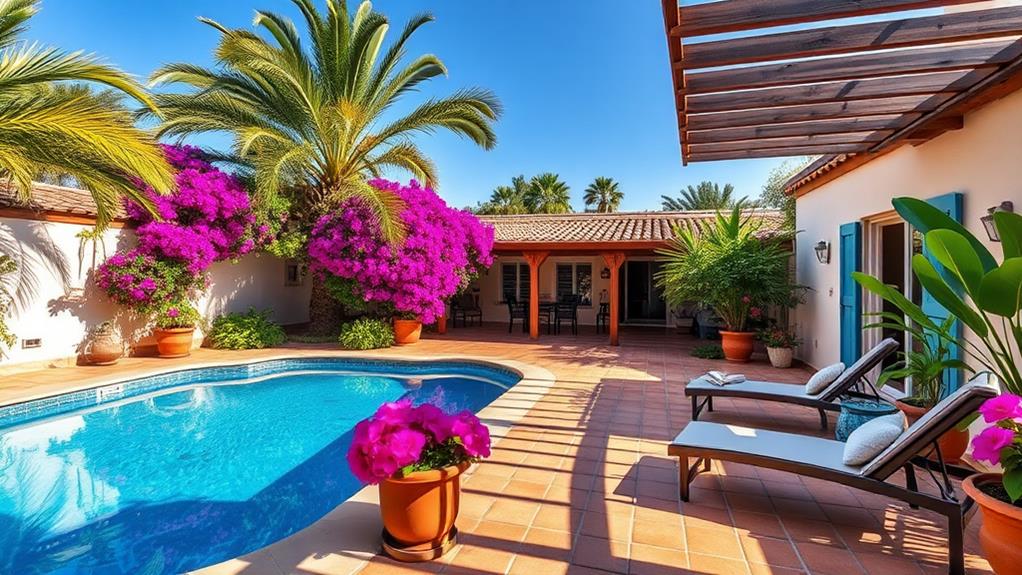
[(952, 444), (737, 344), (855, 412), (407, 331), (174, 342), (1002, 525), (104, 349), (419, 512), (780, 356)]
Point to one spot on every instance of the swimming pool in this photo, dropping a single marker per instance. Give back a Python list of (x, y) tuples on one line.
[(183, 470)]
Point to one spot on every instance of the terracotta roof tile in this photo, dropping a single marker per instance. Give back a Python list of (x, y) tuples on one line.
[(617, 227), (53, 199)]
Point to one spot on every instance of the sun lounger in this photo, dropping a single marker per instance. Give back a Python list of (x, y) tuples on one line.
[(822, 459), (702, 390)]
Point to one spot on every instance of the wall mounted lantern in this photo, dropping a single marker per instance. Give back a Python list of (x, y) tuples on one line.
[(988, 220), (822, 250), (605, 273)]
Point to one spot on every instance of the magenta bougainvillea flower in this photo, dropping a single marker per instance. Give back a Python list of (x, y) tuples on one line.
[(1005, 406), (987, 445), (401, 438), (443, 250)]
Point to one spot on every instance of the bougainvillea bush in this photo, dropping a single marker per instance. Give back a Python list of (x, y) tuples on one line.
[(400, 439), (144, 283), (442, 251)]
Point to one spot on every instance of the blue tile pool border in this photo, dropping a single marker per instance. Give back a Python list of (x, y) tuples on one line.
[(31, 410)]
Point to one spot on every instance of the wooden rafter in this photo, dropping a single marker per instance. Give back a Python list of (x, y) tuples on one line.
[(783, 152), (863, 138), (883, 123)]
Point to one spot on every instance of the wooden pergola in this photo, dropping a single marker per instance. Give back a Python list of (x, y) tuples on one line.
[(854, 90)]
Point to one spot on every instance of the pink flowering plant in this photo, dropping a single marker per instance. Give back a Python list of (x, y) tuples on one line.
[(400, 439), (142, 282), (177, 314), (1001, 442), (442, 251)]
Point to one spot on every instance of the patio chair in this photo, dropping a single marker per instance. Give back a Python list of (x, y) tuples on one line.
[(516, 310), (467, 308), (602, 317), (823, 459), (567, 310), (702, 390)]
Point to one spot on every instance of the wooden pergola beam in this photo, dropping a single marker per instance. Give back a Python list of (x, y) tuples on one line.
[(809, 112), (672, 15), (857, 67), (883, 123), (779, 152), (738, 15), (844, 90), (789, 142), (943, 28)]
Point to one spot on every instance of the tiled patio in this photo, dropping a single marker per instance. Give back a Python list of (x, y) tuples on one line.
[(582, 483)]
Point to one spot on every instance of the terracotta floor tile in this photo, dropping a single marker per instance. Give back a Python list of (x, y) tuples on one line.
[(777, 552), (648, 560), (601, 554), (548, 543), (528, 565), (827, 560), (607, 526), (512, 511), (699, 563), (713, 542), (667, 534)]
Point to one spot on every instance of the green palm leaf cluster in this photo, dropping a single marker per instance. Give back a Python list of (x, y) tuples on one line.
[(506, 200), (705, 196), (52, 122), (308, 120), (543, 194), (603, 195)]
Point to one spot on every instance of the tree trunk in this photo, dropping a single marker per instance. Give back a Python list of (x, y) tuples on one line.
[(324, 310)]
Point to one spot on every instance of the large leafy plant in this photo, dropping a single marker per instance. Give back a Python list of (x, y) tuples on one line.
[(733, 265), (993, 290), (250, 330), (925, 365)]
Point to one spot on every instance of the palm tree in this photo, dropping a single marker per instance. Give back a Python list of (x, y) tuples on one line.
[(311, 121), (604, 194), (314, 123), (705, 196), (51, 123), (547, 194), (506, 200)]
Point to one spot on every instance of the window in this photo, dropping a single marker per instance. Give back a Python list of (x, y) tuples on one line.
[(293, 275), (575, 279), (514, 279)]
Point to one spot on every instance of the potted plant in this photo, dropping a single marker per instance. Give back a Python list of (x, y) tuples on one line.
[(407, 328), (417, 456), (103, 345), (780, 345), (999, 495), (732, 267), (175, 329)]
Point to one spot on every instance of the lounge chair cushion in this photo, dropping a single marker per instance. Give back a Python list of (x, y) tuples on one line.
[(821, 379), (872, 437)]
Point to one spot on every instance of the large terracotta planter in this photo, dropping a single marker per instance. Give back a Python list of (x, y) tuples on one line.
[(952, 444), (419, 513), (174, 342), (1001, 531), (737, 344), (780, 356), (103, 349), (407, 331)]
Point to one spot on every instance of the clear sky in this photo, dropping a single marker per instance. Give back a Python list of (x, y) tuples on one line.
[(585, 84)]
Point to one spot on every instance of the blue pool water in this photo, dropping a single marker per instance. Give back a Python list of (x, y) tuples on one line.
[(179, 478)]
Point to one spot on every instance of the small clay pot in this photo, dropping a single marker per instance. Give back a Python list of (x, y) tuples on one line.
[(419, 510), (1001, 531), (952, 444), (174, 342), (780, 356), (407, 331), (737, 345), (103, 349)]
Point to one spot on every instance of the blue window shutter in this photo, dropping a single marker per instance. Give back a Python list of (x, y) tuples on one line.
[(951, 204), (850, 254)]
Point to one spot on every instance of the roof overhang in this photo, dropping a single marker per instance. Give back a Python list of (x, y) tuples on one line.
[(843, 90), (580, 248)]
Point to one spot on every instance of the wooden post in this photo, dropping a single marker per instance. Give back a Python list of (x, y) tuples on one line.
[(614, 261), (535, 259)]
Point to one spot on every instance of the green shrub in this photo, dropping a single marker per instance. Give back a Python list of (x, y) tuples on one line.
[(366, 333), (250, 330), (708, 351)]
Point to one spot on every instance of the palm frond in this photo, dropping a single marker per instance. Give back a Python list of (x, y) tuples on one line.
[(14, 15)]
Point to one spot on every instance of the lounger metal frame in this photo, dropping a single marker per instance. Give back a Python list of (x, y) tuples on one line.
[(947, 504)]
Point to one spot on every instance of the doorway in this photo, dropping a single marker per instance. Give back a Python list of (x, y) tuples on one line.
[(641, 299)]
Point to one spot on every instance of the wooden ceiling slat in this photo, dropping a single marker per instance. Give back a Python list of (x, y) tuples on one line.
[(887, 63), (790, 142), (808, 112), (953, 27), (779, 152), (884, 123), (737, 15), (914, 84)]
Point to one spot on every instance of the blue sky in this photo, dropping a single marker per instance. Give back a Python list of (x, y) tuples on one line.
[(585, 85)]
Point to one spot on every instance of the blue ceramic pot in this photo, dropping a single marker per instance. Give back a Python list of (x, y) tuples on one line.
[(855, 412)]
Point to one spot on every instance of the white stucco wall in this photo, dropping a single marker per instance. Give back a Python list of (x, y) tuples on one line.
[(983, 161), (56, 302)]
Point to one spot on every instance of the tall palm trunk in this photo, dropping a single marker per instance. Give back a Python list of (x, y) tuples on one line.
[(324, 310)]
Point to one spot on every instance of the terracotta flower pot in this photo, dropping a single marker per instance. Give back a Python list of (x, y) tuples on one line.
[(419, 511), (737, 344), (407, 331), (174, 342), (952, 444), (1002, 526), (104, 349), (780, 356)]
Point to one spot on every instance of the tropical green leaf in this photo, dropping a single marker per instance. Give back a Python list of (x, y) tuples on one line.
[(935, 285), (958, 257), (926, 218), (1009, 228), (895, 297), (1012, 481), (1001, 289)]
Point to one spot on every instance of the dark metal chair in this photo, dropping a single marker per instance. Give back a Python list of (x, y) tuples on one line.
[(567, 310), (603, 317), (516, 310), (467, 308)]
